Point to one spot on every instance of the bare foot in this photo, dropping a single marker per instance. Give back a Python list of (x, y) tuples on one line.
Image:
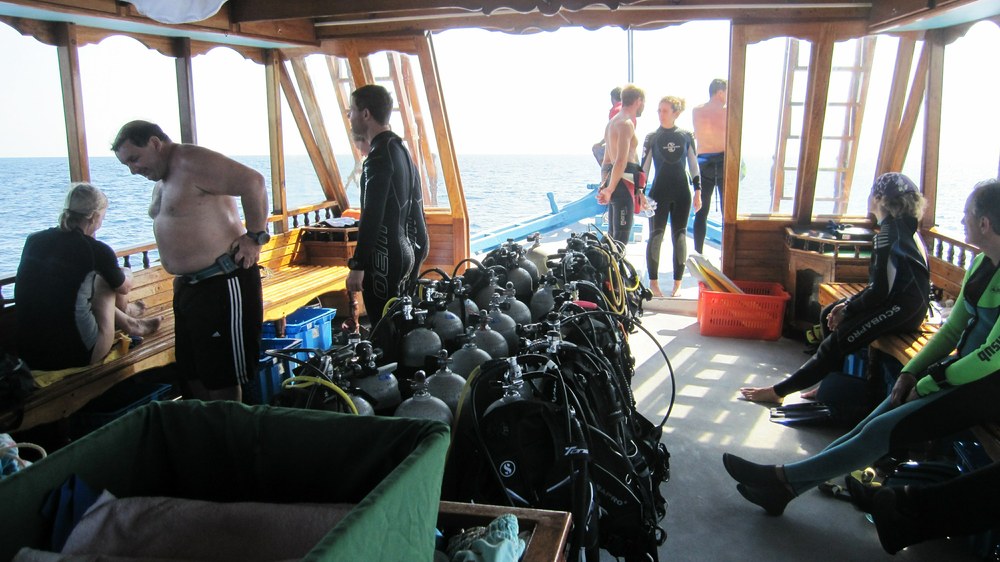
[(135, 309), (677, 289), (654, 287), (754, 394), (810, 394), (144, 326)]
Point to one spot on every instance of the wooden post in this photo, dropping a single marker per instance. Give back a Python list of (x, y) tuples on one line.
[(185, 90), (449, 162), (72, 93), (425, 148), (318, 127), (817, 92), (894, 108), (932, 124), (734, 127), (909, 120), (272, 60), (406, 111), (302, 122)]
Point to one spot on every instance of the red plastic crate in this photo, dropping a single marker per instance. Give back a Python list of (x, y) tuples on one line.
[(756, 315)]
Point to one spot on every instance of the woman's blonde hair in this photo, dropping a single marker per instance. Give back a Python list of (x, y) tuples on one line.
[(83, 202), (675, 102), (906, 204)]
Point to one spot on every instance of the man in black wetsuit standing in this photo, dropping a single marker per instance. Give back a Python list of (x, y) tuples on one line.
[(392, 238)]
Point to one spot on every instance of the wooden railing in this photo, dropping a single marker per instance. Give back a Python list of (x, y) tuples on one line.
[(951, 250), (144, 256)]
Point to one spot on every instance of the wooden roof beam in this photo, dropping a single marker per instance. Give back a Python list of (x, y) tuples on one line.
[(630, 17), (372, 10)]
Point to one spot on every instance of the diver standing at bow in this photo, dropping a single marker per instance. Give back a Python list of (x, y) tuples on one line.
[(710, 133), (392, 236), (673, 152), (620, 170)]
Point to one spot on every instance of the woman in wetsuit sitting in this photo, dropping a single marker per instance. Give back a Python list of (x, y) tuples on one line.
[(673, 153), (895, 299), (70, 292)]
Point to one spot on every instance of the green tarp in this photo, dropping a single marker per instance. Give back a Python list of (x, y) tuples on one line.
[(225, 451)]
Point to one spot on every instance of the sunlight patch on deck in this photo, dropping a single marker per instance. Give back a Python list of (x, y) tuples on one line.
[(660, 380), (763, 434), (710, 374), (680, 411), (725, 359), (722, 417), (693, 391)]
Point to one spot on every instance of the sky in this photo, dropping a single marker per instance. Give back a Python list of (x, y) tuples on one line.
[(544, 93)]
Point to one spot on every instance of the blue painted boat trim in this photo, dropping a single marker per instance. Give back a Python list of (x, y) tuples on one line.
[(582, 208), (713, 232)]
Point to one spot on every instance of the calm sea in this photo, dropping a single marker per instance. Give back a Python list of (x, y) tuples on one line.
[(500, 189)]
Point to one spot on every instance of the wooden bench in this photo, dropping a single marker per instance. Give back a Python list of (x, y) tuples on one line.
[(289, 282)]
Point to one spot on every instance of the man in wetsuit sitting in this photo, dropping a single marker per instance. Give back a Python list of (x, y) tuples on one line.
[(710, 134), (936, 395), (620, 170), (392, 237)]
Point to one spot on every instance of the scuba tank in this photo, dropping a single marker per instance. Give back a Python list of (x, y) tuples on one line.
[(422, 405), (363, 406), (378, 382), (420, 341), (536, 257), (485, 295), (512, 386), (460, 304), (522, 280), (488, 340), (445, 323), (514, 308), (445, 384), (543, 301), (465, 360), (504, 325)]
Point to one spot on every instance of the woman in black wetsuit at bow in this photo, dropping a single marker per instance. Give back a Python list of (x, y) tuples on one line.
[(670, 149)]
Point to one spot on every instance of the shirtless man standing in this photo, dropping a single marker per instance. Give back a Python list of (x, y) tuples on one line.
[(218, 306), (620, 169), (710, 137)]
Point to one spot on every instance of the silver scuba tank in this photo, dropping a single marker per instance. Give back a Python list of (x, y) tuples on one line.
[(512, 386), (465, 360), (488, 340), (445, 384), (543, 302), (422, 405), (379, 382), (503, 324), (514, 308), (419, 342), (485, 295)]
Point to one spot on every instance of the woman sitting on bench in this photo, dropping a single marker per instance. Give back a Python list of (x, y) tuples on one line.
[(70, 292), (895, 299)]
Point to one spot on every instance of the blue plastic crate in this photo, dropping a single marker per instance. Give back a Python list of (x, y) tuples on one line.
[(115, 403), (314, 326), (270, 371)]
